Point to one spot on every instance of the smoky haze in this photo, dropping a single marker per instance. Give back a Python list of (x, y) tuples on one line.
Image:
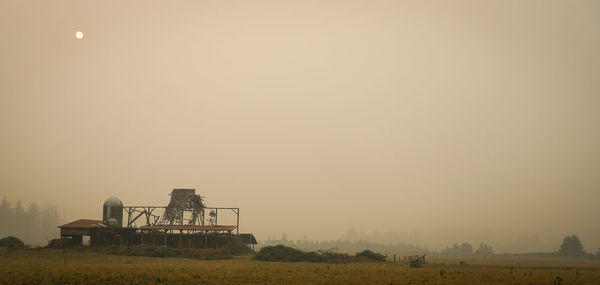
[(430, 122)]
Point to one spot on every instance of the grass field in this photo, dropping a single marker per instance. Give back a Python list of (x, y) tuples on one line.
[(46, 266)]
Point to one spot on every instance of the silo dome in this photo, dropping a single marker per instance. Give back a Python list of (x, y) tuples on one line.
[(112, 212), (113, 202)]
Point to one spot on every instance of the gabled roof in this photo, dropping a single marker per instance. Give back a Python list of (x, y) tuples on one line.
[(83, 223), (248, 238)]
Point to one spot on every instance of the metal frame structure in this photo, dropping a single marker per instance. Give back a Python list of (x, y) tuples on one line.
[(152, 217), (185, 208), (147, 211)]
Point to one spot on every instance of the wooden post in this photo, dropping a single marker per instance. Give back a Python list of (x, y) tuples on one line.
[(166, 237), (238, 221), (205, 240), (394, 258), (180, 234)]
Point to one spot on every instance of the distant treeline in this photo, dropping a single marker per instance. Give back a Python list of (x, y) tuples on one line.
[(570, 247), (32, 224), (346, 246), (467, 248), (355, 246)]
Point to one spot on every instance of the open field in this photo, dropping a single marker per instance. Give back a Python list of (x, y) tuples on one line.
[(45, 266)]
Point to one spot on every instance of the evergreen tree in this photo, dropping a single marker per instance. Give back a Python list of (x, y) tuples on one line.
[(571, 246)]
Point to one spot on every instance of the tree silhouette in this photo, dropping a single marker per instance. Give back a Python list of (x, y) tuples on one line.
[(466, 248), (571, 246), (34, 225), (485, 249)]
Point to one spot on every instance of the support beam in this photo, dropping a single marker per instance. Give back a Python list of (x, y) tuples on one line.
[(131, 221)]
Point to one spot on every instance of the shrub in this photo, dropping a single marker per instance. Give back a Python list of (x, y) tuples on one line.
[(61, 243), (284, 253), (289, 254), (204, 253), (371, 255), (331, 255), (11, 242), (163, 251), (280, 253)]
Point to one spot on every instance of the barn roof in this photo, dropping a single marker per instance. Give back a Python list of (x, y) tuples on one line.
[(190, 228), (83, 223), (248, 238)]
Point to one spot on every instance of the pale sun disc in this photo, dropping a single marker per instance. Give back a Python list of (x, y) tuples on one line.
[(79, 35)]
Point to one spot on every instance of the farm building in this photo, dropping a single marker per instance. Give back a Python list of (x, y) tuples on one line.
[(185, 222)]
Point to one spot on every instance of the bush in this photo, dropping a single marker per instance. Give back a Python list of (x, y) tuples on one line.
[(204, 253), (333, 256), (281, 253), (371, 255), (312, 256), (11, 242), (163, 251), (284, 253), (61, 243)]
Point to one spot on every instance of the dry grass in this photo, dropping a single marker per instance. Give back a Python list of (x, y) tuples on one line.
[(45, 266)]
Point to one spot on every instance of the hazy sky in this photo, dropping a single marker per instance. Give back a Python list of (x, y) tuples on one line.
[(445, 120)]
